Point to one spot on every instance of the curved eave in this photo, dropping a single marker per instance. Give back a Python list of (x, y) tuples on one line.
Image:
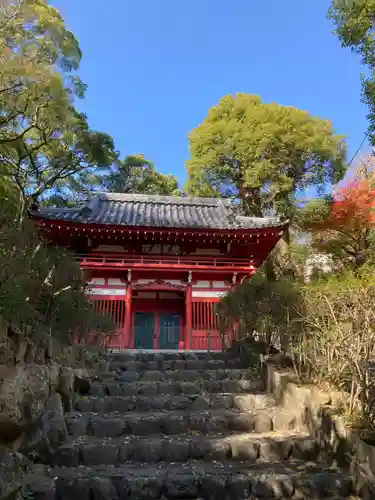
[(90, 228)]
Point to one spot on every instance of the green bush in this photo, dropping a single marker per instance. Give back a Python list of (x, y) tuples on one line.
[(42, 293), (327, 327), (335, 338), (261, 308)]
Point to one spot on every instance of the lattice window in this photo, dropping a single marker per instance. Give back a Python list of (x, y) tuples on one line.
[(204, 316), (114, 308)]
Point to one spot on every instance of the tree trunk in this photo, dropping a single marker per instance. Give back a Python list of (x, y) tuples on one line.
[(251, 201)]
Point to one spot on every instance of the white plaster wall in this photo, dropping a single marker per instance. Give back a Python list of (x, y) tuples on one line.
[(106, 291), (208, 294), (115, 281), (97, 281), (219, 284), (201, 284)]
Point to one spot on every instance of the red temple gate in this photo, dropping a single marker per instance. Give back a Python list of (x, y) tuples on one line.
[(158, 265)]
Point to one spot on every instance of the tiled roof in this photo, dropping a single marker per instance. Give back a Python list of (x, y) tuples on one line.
[(134, 210)]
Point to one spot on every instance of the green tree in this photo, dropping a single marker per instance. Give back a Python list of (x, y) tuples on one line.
[(44, 141), (137, 175), (354, 22), (45, 146), (262, 154), (41, 291)]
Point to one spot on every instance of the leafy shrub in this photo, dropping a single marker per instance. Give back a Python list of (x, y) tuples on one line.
[(42, 292), (260, 309), (335, 338), (326, 326)]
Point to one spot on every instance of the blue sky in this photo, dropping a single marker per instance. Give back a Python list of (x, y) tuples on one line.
[(154, 69)]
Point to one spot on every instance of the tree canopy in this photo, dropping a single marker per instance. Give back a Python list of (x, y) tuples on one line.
[(43, 138), (262, 154), (135, 174), (354, 25), (343, 224), (45, 146)]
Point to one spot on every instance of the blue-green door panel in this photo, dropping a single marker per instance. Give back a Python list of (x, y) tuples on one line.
[(169, 331), (144, 326)]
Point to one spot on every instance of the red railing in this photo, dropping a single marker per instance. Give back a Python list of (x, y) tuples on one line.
[(206, 340), (165, 261)]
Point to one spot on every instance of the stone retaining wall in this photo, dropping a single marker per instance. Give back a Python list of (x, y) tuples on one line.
[(316, 409)]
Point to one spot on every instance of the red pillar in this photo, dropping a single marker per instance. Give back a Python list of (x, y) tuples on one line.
[(128, 334), (188, 320)]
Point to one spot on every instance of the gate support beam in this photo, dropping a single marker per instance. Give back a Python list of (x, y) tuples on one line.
[(188, 318), (128, 340)]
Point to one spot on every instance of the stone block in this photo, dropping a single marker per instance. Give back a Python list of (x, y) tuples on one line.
[(229, 386), (126, 449), (143, 425), (84, 404), (130, 376), (98, 390), (140, 487), (39, 488), (262, 422), (272, 485), (104, 453), (273, 450), (200, 403), (149, 388), (153, 376), (67, 456), (218, 422), (73, 488), (49, 431), (245, 449), (148, 450), (212, 386), (213, 486), (77, 425), (238, 486), (102, 488), (174, 423), (106, 427), (189, 375), (190, 387), (176, 450), (306, 449), (222, 401), (181, 485), (116, 389)]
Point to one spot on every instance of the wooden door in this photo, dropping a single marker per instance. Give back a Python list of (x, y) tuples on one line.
[(169, 330), (144, 328)]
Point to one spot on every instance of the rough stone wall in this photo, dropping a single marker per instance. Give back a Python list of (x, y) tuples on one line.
[(316, 409)]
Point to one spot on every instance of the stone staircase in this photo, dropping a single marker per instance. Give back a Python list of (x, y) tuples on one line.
[(184, 426)]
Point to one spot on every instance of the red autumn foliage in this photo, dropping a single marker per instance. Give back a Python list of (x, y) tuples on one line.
[(353, 207)]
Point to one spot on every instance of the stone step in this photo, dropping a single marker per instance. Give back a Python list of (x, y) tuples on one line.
[(177, 422), (140, 402), (175, 364), (103, 388), (178, 374), (263, 447), (192, 480), (126, 356)]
